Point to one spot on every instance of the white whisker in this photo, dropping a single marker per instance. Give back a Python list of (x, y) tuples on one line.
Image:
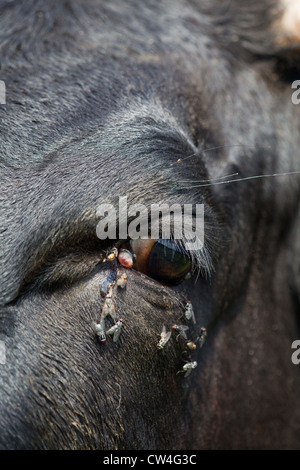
[(240, 179)]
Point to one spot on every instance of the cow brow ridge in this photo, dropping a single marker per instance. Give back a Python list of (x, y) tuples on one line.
[(129, 138)]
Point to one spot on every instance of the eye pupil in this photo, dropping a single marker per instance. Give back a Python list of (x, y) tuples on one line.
[(163, 260), (168, 263)]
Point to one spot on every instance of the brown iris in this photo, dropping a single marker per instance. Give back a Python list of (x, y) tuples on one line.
[(162, 260)]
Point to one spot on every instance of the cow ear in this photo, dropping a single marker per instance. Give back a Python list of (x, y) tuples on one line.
[(286, 27), (286, 35)]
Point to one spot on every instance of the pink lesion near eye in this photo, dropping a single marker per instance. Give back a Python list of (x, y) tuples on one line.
[(125, 258)]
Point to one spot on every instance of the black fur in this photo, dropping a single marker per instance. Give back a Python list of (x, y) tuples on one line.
[(103, 99)]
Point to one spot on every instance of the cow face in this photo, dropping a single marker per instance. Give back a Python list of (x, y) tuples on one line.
[(175, 104)]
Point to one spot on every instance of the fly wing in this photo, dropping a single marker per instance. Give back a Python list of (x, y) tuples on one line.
[(164, 337), (167, 336), (187, 373), (117, 333), (184, 329), (192, 314), (112, 312), (202, 338), (112, 330)]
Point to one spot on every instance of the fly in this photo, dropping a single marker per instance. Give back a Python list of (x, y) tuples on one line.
[(189, 311), (112, 254), (181, 329), (202, 336), (107, 283), (108, 308), (188, 367), (115, 330), (122, 280), (191, 345), (164, 338), (100, 331)]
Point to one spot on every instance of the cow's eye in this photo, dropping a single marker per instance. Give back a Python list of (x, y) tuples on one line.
[(162, 260)]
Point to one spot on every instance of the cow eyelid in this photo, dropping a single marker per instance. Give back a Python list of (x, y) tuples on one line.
[(168, 261), (200, 258)]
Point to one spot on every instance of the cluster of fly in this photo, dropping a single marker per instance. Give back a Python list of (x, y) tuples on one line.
[(182, 333), (108, 309)]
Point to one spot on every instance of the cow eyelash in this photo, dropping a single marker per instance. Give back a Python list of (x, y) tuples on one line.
[(201, 259), (167, 261)]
